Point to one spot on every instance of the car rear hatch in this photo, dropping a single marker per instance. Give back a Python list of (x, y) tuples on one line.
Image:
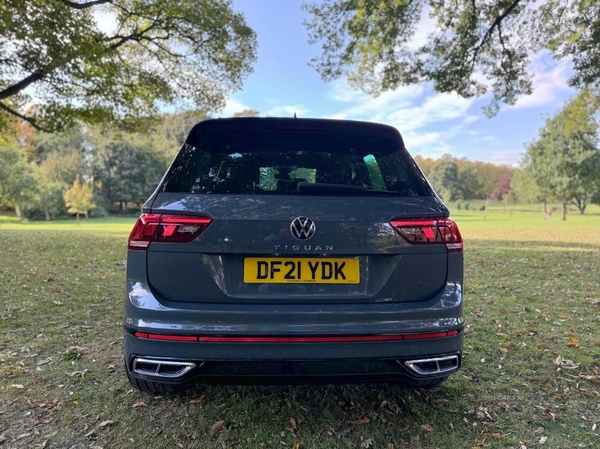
[(295, 211)]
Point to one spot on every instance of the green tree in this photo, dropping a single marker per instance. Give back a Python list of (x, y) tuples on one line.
[(565, 160), (474, 46), (79, 198), (445, 181), (129, 166), (469, 183), (525, 189), (18, 180), (183, 52), (55, 175)]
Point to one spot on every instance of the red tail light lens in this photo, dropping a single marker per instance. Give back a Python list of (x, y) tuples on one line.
[(166, 228), (430, 230)]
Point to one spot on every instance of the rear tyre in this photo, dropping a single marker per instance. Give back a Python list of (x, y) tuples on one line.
[(153, 387)]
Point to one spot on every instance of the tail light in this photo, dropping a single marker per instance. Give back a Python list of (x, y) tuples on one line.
[(166, 228), (427, 230)]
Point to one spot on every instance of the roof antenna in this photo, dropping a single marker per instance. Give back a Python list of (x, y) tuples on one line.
[(294, 115)]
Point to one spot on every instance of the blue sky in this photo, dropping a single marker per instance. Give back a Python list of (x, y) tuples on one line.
[(432, 124)]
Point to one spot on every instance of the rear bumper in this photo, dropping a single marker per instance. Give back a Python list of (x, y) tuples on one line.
[(347, 359), (266, 363)]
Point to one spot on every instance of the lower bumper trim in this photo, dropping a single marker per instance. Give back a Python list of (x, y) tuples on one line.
[(337, 339)]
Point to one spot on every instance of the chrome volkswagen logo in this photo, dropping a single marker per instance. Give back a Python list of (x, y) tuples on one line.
[(303, 228)]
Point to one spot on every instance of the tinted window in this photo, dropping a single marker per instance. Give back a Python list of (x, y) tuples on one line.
[(266, 164)]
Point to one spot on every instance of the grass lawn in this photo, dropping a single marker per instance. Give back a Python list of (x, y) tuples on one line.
[(530, 376)]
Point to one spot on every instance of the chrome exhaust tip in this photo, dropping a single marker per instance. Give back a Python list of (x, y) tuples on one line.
[(166, 369), (435, 365)]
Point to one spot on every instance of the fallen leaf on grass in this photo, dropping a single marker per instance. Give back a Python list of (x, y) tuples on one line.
[(127, 393), (540, 430), (217, 425), (51, 435), (19, 386), (293, 425), (296, 446), (361, 421), (367, 443), (549, 415), (197, 400), (504, 405), (105, 423), (2, 438), (426, 428), (573, 341), (138, 404)]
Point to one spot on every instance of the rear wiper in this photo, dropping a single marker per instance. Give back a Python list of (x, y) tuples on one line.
[(326, 188)]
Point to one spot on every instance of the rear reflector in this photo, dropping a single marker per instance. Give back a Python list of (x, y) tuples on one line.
[(166, 228), (430, 231), (204, 339)]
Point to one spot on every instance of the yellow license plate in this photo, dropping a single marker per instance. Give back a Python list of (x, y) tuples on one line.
[(275, 270)]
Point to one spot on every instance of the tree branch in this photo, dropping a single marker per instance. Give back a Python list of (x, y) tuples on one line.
[(24, 83), (89, 4), (29, 120), (495, 24)]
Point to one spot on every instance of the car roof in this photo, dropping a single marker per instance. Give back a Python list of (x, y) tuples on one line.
[(262, 125)]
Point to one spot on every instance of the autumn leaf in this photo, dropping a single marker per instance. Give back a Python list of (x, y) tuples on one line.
[(197, 400), (504, 405), (139, 404), (573, 341), (426, 428), (293, 425), (217, 425), (105, 423), (361, 421)]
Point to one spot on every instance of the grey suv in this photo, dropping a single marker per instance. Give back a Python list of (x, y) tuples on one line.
[(293, 248)]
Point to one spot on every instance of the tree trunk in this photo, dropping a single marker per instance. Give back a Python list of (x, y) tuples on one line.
[(564, 209), (46, 214), (18, 212), (544, 207), (77, 214)]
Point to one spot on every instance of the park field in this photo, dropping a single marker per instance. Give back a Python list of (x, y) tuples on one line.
[(530, 376)]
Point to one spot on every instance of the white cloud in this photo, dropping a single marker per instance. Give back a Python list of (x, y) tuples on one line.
[(288, 111), (509, 157), (550, 82), (231, 107), (427, 120)]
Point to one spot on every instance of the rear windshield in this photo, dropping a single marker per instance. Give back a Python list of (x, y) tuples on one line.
[(295, 164)]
